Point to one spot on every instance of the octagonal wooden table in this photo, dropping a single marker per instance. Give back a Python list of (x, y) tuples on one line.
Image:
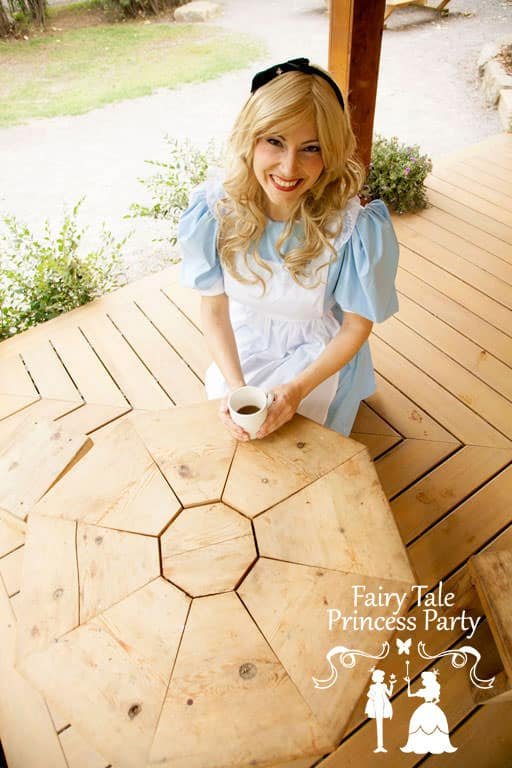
[(176, 589)]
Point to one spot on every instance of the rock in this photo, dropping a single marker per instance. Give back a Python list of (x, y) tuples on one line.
[(488, 52), (196, 11), (505, 109), (494, 80)]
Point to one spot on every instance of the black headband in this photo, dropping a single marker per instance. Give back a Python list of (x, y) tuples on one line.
[(294, 65)]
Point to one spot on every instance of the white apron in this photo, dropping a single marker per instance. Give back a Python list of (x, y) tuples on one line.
[(278, 334)]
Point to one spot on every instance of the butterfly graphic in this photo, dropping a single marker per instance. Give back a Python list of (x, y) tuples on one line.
[(404, 646)]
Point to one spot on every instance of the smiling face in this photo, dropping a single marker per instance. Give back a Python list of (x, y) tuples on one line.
[(287, 164)]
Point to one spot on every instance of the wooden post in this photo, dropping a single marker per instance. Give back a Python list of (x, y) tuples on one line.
[(355, 35)]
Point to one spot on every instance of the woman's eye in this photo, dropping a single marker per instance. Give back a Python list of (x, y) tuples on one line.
[(312, 148), (274, 142)]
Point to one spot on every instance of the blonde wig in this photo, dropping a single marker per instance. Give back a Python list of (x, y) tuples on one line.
[(283, 104)]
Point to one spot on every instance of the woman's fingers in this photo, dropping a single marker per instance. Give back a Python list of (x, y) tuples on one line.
[(234, 429)]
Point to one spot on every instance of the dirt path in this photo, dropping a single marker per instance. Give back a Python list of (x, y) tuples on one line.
[(428, 95)]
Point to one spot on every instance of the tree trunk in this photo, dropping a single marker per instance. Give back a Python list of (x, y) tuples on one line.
[(5, 21)]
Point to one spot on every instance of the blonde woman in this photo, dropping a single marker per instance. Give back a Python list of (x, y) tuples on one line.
[(292, 270)]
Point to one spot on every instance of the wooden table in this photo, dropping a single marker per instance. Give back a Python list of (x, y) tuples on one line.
[(176, 588)]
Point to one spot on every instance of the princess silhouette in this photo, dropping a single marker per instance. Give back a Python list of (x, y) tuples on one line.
[(378, 705), (428, 727)]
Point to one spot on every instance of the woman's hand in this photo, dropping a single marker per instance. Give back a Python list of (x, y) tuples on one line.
[(287, 398), (234, 429)]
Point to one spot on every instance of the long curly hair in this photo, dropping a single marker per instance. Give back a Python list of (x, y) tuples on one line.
[(283, 104)]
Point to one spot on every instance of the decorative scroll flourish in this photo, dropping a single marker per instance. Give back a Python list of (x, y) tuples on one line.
[(347, 659), (459, 659)]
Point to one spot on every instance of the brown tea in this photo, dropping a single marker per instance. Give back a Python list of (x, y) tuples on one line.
[(247, 409)]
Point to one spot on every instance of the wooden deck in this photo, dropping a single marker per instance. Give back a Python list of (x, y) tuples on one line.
[(439, 429)]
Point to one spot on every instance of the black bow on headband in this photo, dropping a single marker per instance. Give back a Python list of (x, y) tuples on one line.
[(294, 65)]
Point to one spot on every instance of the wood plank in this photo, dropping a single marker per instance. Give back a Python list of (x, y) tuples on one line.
[(252, 701), (12, 532), (468, 174), (405, 415), (286, 600), (186, 299), (49, 601), (116, 485), (461, 292), (454, 176), (11, 568), (137, 384), (466, 387), (169, 369), (15, 379), (492, 576), (466, 232), (369, 422), (408, 461), (448, 485), (21, 704), (32, 461), (50, 376), (207, 549), (492, 170), (112, 565), (473, 216), (267, 471), (376, 444), (428, 231), (457, 703), (78, 751), (11, 404), (461, 319), (187, 340), (111, 674), (462, 421), (90, 417), (471, 200), (463, 532), (89, 375), (17, 390), (456, 265), (317, 527), (192, 449), (435, 640), (473, 358), (484, 739)]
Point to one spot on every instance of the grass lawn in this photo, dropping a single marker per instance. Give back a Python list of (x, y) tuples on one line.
[(81, 62)]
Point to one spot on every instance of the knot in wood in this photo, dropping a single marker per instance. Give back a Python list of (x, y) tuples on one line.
[(134, 710), (264, 480), (98, 540), (300, 444), (247, 671), (12, 466), (58, 593), (184, 471), (190, 701)]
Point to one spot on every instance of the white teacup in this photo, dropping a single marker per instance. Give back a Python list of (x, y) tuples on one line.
[(248, 408)]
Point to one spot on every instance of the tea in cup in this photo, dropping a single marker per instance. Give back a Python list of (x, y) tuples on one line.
[(248, 408)]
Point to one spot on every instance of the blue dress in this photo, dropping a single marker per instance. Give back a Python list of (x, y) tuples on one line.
[(281, 331)]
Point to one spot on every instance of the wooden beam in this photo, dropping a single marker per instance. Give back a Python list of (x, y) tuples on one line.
[(355, 35)]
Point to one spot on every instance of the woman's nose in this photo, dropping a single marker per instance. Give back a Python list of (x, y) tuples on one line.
[(289, 163)]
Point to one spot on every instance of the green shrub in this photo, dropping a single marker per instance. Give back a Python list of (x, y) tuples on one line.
[(42, 278), (397, 174), (171, 186)]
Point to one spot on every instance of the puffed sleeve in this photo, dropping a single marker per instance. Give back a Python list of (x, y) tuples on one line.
[(369, 260), (197, 236)]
